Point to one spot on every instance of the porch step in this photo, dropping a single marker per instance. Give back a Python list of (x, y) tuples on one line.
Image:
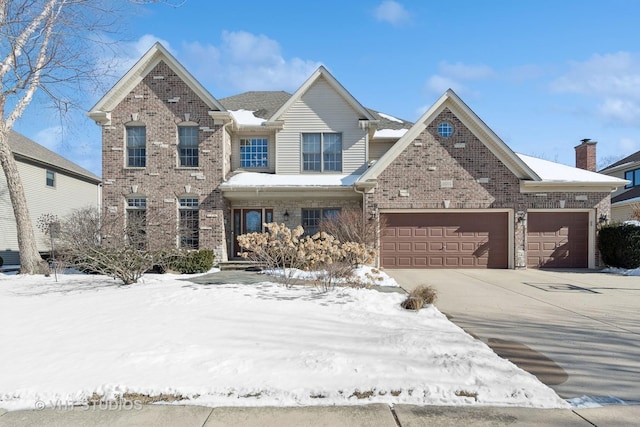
[(239, 265)]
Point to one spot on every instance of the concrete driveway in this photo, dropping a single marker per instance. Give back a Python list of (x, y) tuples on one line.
[(577, 331)]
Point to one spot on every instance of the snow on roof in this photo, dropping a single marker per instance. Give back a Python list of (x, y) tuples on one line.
[(551, 171), (246, 117), (388, 117), (389, 133), (257, 179)]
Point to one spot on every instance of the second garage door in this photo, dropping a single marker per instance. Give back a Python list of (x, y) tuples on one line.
[(445, 240), (558, 239)]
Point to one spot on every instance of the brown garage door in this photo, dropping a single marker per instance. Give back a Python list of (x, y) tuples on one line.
[(558, 239), (445, 240)]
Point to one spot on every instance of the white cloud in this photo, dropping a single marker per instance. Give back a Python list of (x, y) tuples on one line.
[(392, 12), (462, 71), (246, 61), (453, 76), (439, 84), (612, 79), (50, 138), (620, 110)]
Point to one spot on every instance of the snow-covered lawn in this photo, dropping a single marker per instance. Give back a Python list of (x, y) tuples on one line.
[(243, 345)]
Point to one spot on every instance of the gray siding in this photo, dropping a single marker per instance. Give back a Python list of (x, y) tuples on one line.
[(378, 148), (320, 109), (68, 194)]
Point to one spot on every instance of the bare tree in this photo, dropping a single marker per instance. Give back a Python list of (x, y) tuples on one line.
[(45, 48)]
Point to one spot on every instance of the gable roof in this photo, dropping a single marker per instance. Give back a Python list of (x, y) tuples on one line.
[(29, 151), (629, 161), (149, 60), (263, 104), (451, 101), (322, 72)]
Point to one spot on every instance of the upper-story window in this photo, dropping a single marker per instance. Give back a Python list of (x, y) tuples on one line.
[(188, 146), (634, 177), (254, 152), (445, 129), (322, 152), (51, 179), (136, 146)]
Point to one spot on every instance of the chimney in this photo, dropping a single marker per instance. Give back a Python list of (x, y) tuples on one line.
[(586, 155)]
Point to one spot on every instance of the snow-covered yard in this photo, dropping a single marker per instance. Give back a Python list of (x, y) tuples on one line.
[(244, 345)]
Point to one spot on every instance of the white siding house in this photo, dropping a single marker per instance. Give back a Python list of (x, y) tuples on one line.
[(52, 185)]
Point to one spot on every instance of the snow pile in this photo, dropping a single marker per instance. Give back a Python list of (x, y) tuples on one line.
[(244, 345), (364, 274)]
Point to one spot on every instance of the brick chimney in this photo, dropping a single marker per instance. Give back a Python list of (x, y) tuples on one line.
[(586, 155)]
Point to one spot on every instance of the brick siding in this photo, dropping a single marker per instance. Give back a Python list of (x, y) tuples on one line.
[(460, 169), (160, 102)]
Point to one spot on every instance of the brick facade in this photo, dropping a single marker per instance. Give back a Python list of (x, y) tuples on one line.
[(462, 173), (433, 173), (160, 103)]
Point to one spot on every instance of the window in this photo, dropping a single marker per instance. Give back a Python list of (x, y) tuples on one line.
[(445, 130), (254, 152), (137, 222), (188, 146), (136, 146), (634, 177), (311, 218), (189, 223), (51, 179), (322, 152)]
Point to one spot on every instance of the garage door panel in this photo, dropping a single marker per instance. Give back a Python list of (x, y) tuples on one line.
[(419, 232), (436, 232), (452, 247), (448, 240), (558, 239), (420, 247), (403, 247), (405, 232)]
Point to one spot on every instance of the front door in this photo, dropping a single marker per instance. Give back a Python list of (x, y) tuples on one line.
[(249, 220)]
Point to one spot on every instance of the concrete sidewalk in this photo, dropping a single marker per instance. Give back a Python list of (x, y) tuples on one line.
[(375, 415)]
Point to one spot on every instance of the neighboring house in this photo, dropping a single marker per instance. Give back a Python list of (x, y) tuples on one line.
[(625, 198), (450, 192), (52, 185)]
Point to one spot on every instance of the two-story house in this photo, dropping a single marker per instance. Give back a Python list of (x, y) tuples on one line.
[(52, 185), (452, 194), (625, 198)]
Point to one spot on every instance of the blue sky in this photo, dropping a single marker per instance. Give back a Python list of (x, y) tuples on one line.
[(542, 74)]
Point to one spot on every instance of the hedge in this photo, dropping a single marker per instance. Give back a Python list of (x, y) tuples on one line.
[(619, 245)]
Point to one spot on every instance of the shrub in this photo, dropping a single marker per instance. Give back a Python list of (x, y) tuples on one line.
[(420, 296), (280, 247), (350, 225), (190, 262), (619, 245)]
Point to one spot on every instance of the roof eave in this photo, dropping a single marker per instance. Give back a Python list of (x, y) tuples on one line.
[(570, 186)]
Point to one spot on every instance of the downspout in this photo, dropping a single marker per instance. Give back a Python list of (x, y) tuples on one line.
[(224, 151)]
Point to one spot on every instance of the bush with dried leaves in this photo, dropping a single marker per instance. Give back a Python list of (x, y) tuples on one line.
[(290, 250), (420, 296)]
